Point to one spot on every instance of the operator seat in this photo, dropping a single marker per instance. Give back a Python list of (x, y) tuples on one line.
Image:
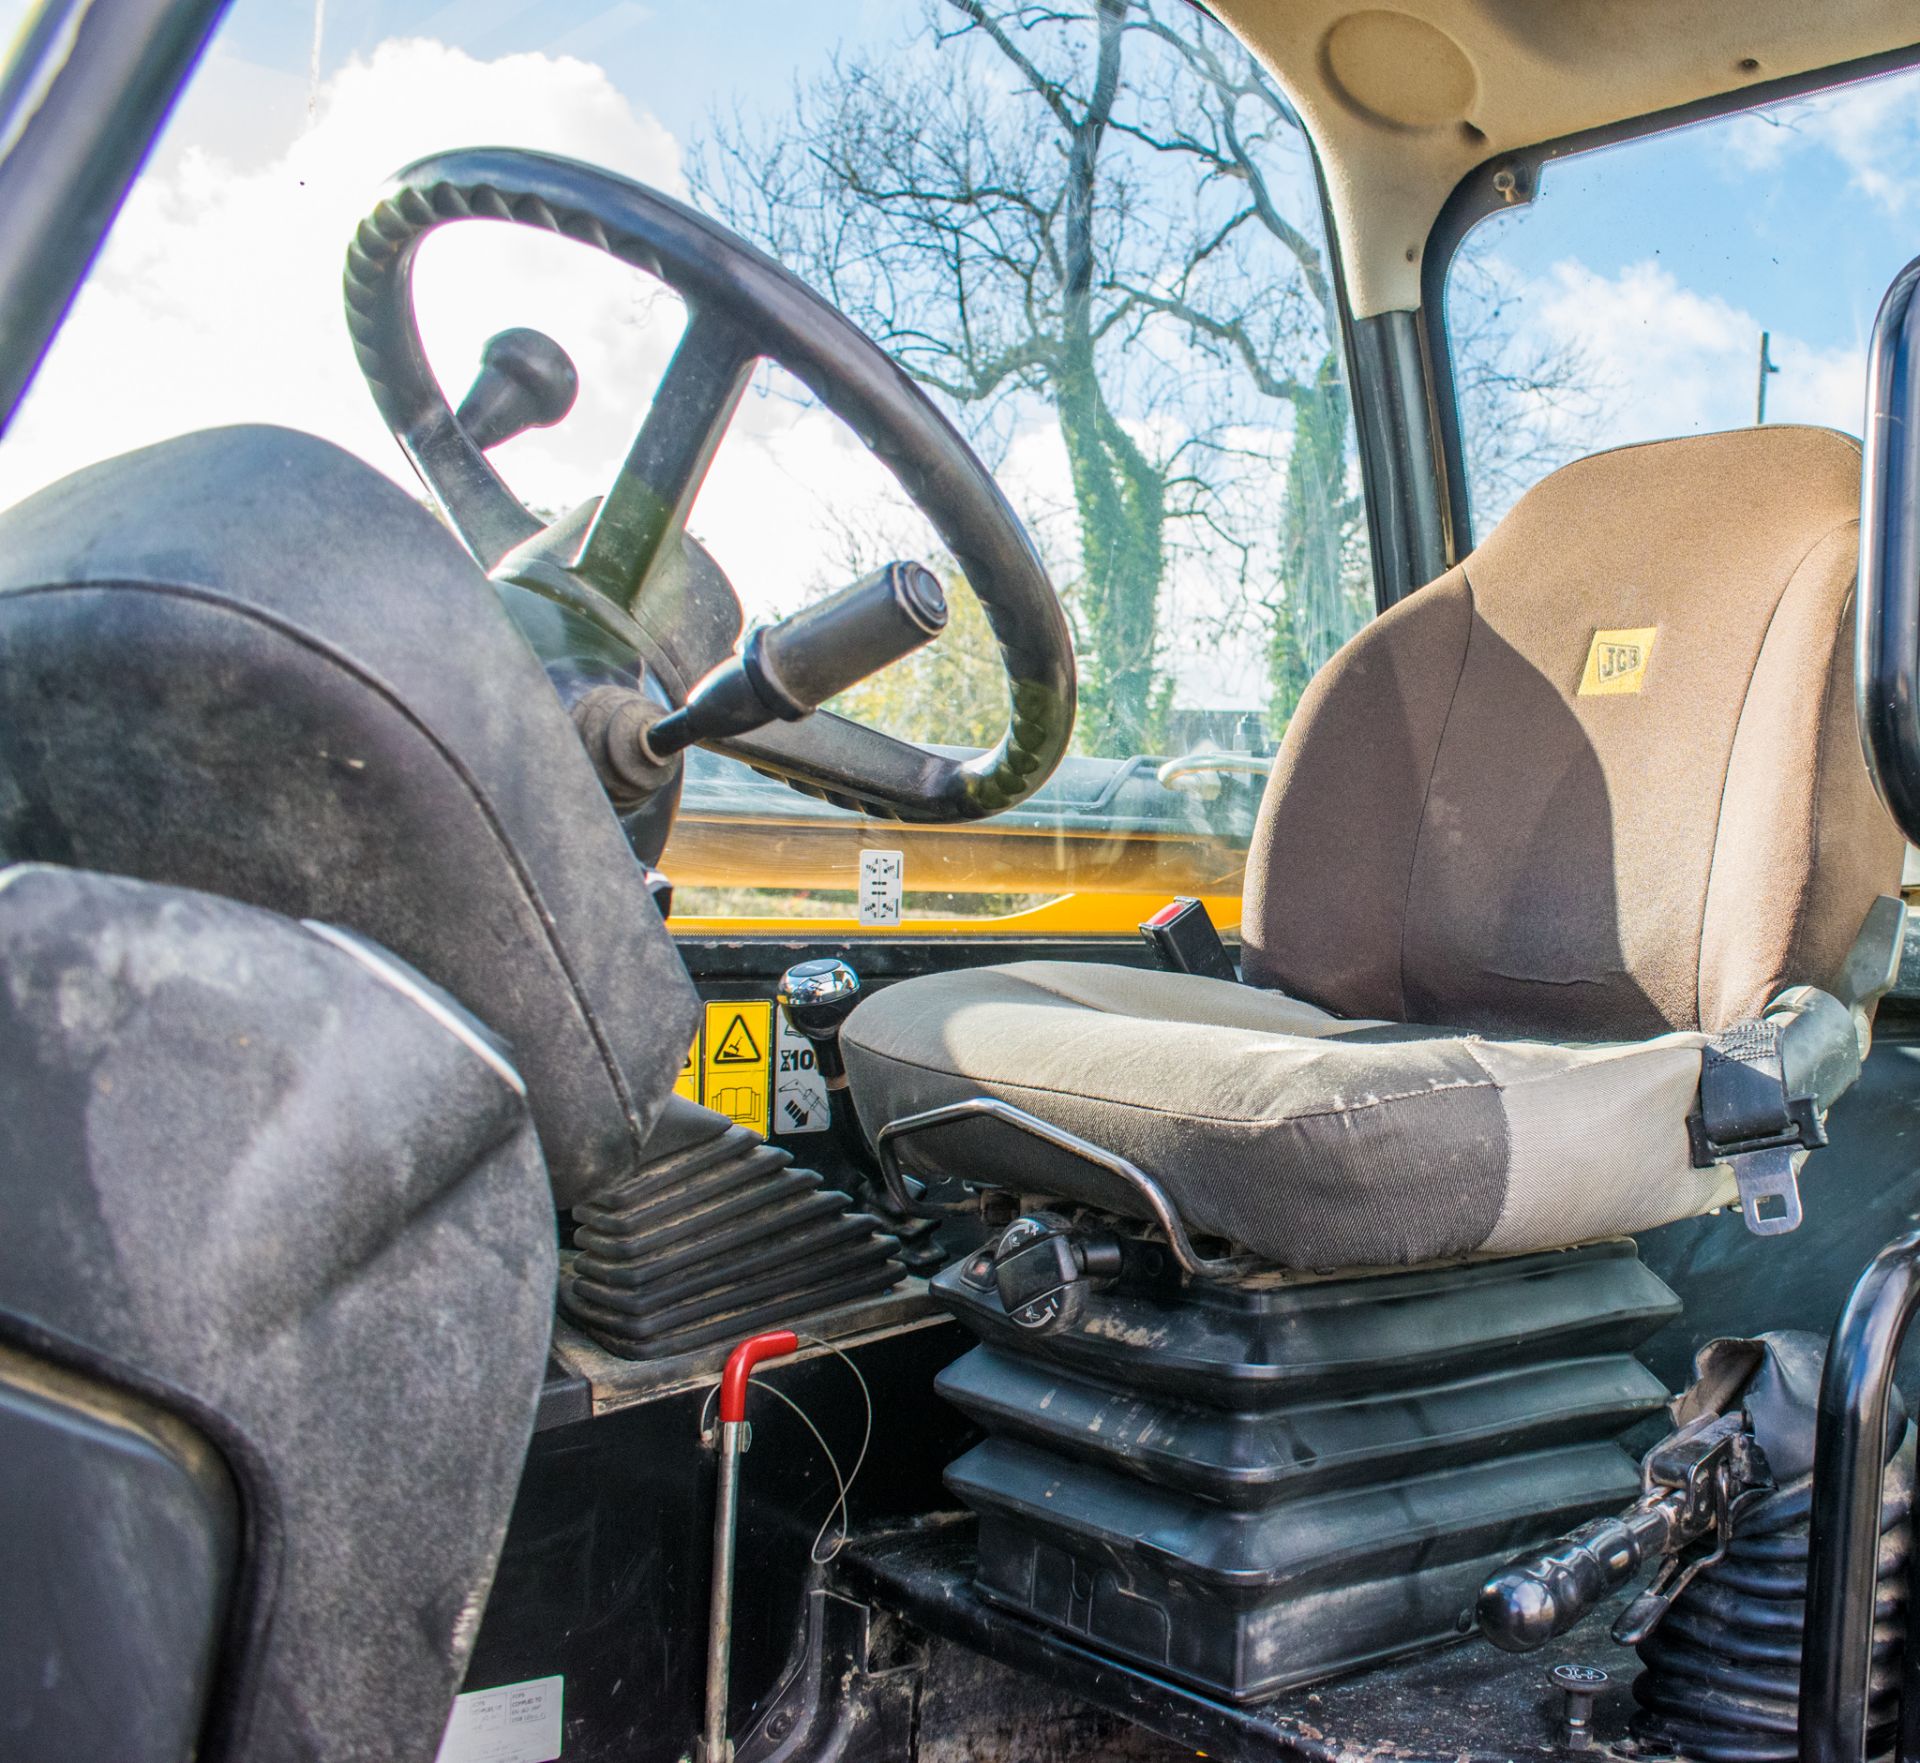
[(1534, 839), (277, 1239)]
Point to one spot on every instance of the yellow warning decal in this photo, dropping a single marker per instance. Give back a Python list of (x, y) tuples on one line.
[(1617, 661), (736, 1074), (737, 1045), (688, 1082)]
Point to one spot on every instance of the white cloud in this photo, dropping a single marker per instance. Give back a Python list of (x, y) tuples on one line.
[(218, 300), (1871, 129), (1678, 362), (218, 297)]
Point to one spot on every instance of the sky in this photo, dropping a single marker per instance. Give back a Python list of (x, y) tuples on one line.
[(218, 297), (1665, 258)]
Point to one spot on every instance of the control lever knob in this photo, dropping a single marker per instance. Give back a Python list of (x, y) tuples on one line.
[(817, 997), (1043, 1269), (1539, 1597), (526, 381), (787, 670)]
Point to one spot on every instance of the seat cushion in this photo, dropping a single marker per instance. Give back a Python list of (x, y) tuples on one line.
[(1314, 1141)]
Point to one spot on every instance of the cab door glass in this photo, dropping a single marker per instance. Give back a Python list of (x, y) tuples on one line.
[(1093, 234), (1698, 279)]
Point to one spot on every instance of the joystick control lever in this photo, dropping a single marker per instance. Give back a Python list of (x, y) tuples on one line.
[(817, 997)]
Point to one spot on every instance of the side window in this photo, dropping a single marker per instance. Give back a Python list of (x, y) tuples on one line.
[(1705, 278), (1102, 252)]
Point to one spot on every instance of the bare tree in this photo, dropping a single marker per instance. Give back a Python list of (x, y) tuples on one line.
[(1529, 400), (1105, 208), (1001, 210)]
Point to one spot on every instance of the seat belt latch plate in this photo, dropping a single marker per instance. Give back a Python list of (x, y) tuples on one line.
[(1769, 1190)]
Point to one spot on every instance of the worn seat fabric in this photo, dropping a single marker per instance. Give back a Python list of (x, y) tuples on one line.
[(1315, 1141), (1531, 837)]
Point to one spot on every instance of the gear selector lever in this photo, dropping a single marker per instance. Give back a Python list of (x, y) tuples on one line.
[(780, 673), (817, 997)]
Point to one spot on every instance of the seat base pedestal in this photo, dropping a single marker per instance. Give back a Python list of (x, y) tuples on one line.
[(1257, 1486)]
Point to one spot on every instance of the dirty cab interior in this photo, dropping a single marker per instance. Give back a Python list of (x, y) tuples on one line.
[(1436, 1289)]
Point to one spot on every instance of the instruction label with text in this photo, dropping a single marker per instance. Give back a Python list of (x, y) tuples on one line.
[(799, 1091)]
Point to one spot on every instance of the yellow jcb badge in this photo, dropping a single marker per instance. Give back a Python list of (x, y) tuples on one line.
[(1617, 662)]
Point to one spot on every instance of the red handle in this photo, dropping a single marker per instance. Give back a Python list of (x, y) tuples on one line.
[(740, 1364)]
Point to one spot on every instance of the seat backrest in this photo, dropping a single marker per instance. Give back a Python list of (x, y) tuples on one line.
[(244, 662), (1602, 778), (275, 1212)]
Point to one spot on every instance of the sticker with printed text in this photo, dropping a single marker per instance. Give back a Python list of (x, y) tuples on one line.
[(738, 1056), (516, 1723), (799, 1089)]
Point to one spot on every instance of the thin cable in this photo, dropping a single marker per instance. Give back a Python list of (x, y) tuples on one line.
[(859, 1461), (840, 1499)]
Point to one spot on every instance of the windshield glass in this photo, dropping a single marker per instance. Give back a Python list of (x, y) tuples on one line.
[(1100, 247)]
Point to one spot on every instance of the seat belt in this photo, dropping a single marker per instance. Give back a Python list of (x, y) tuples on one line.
[(1766, 1083), (1749, 1120)]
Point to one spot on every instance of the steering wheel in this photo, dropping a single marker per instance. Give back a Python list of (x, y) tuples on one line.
[(741, 307)]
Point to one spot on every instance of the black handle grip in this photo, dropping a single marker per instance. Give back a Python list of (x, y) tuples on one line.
[(783, 671), (836, 642), (1532, 1600), (817, 997), (526, 381)]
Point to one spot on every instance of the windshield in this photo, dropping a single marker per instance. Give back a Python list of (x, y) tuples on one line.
[(1093, 232)]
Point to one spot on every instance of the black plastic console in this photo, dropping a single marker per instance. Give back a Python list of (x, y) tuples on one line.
[(1249, 1487)]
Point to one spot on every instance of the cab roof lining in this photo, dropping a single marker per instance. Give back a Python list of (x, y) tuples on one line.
[(1402, 103)]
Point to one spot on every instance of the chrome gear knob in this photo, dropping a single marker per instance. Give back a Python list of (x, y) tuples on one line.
[(817, 997)]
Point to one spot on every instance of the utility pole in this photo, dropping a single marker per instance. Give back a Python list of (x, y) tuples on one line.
[(1767, 365)]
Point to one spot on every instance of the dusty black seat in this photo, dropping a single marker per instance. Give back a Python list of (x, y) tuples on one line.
[(246, 662), (258, 1175)]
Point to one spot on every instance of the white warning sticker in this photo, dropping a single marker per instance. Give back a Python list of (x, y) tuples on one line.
[(883, 877), (799, 1090), (516, 1723)]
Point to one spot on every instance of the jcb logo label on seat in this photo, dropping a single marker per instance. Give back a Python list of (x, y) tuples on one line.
[(1617, 662)]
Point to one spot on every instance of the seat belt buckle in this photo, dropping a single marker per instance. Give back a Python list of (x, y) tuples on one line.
[(1183, 940)]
